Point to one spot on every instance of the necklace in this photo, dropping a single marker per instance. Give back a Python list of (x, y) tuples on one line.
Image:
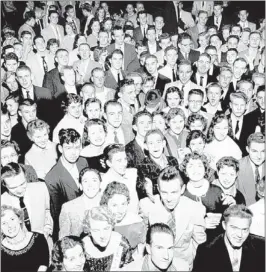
[(17, 242)]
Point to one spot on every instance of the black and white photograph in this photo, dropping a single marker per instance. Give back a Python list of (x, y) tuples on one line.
[(133, 136)]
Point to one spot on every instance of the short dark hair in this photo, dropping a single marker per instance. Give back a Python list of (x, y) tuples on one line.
[(11, 56), (170, 173), (227, 161), (69, 99), (256, 137), (138, 115), (240, 211), (29, 15), (158, 228), (37, 37), (195, 134), (68, 135), (112, 149), (12, 169)]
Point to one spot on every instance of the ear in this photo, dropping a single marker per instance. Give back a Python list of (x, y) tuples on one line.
[(105, 116), (19, 113), (134, 127), (108, 163), (145, 146), (247, 148), (224, 225), (113, 37), (63, 78), (230, 104), (60, 149), (148, 248), (164, 143), (32, 76), (119, 94)]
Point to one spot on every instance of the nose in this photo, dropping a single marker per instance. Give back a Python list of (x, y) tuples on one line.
[(166, 255)]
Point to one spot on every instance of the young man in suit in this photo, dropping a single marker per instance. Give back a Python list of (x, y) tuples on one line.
[(38, 62), (142, 123), (244, 23), (184, 83), (202, 5), (170, 69), (71, 18), (63, 179), (214, 68), (217, 18), (198, 28), (116, 131), (115, 74), (251, 167), (252, 121), (52, 79), (239, 69), (151, 65), (169, 208), (185, 52), (152, 44), (53, 30), (32, 197), (201, 76), (130, 61), (236, 249), (42, 96), (140, 7), (85, 65), (141, 31), (27, 111), (40, 21)]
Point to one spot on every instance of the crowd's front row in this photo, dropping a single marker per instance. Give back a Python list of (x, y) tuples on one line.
[(194, 225)]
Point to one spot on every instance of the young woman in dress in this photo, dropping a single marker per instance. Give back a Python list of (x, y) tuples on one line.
[(106, 249), (68, 40), (22, 250), (93, 32), (116, 197), (69, 255), (173, 98)]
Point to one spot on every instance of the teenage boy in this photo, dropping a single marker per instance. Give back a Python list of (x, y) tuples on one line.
[(63, 179), (214, 94)]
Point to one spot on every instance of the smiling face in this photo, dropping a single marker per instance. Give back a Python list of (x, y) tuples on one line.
[(159, 23), (24, 78), (227, 176), (128, 95), (54, 18), (96, 135), (103, 39), (143, 125), (177, 124), (10, 224), (118, 162), (151, 65), (93, 111), (185, 73), (239, 68), (12, 83), (238, 106), (159, 122), (74, 259), (101, 232), (90, 184), (257, 153), (5, 125), (8, 154), (170, 192), (237, 230), (220, 130), (74, 110), (117, 61), (195, 102), (161, 250), (119, 37), (40, 137), (40, 45), (195, 170), (95, 27), (118, 206), (28, 113), (155, 145), (197, 145)]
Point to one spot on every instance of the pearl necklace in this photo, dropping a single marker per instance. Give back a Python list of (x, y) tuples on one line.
[(17, 242)]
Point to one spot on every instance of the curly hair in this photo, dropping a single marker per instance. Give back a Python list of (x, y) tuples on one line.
[(6, 143), (193, 135), (36, 125), (174, 90), (18, 212), (172, 114), (112, 149), (60, 248), (112, 189), (87, 169), (101, 213), (92, 21), (218, 118), (195, 156), (194, 117), (69, 99)]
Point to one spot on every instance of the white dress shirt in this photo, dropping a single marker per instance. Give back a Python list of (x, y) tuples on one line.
[(31, 92), (152, 48), (72, 170), (198, 76), (243, 24), (233, 253), (234, 120), (115, 74), (71, 89), (110, 136), (254, 169)]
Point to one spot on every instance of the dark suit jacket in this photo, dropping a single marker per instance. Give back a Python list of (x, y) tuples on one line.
[(19, 135), (110, 81), (52, 81), (249, 124), (45, 104), (37, 29), (62, 188), (209, 78), (157, 47), (135, 154), (210, 22), (214, 256), (138, 36), (193, 56), (169, 15), (131, 62), (161, 82), (225, 102)]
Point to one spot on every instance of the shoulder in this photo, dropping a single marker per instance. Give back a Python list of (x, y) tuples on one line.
[(72, 204)]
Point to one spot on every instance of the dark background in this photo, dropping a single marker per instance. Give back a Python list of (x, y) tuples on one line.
[(256, 9)]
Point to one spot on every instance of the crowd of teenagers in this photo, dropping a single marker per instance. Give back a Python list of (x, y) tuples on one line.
[(132, 139)]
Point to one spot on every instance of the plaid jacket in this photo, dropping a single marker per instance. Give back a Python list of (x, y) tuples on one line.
[(149, 169)]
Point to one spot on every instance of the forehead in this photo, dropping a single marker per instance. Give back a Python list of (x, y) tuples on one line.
[(118, 155), (84, 47), (74, 251), (195, 96), (154, 137), (239, 222), (170, 186), (214, 89), (245, 85), (238, 100), (151, 60), (226, 168), (62, 54), (195, 161), (255, 145), (117, 56), (95, 127), (40, 131), (162, 239), (114, 108), (28, 108), (205, 58), (90, 175), (7, 214), (143, 118), (185, 67), (97, 224)]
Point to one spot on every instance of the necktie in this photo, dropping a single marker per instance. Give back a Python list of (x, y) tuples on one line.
[(182, 89), (118, 78), (172, 223), (44, 63), (26, 215), (201, 81), (235, 261), (237, 127), (73, 24), (116, 138), (28, 94), (217, 22), (57, 33), (186, 56), (257, 174), (40, 24), (173, 73), (202, 4)]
